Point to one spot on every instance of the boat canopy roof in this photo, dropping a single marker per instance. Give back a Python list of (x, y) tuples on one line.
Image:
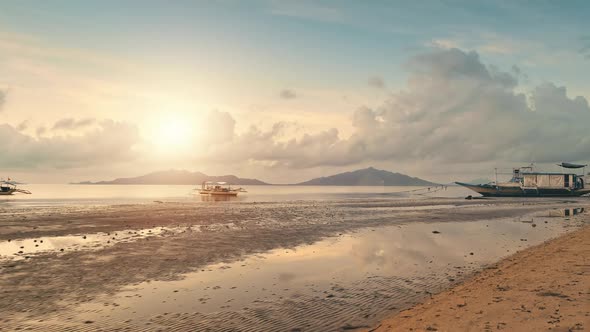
[(570, 165), (211, 182), (547, 173)]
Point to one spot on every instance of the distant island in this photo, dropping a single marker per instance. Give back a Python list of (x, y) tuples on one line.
[(362, 177), (179, 177), (367, 177)]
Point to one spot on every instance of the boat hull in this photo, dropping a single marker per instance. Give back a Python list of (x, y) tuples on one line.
[(489, 190), (218, 193), (223, 193)]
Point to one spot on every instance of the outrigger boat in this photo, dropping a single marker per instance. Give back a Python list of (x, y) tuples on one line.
[(526, 182), (219, 189), (9, 188)]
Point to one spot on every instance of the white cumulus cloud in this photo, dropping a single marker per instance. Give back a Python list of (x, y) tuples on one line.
[(454, 109), (110, 143)]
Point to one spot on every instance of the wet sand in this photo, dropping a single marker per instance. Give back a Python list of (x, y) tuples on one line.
[(81, 268), (542, 288)]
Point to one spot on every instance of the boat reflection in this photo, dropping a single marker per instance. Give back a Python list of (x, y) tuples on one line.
[(218, 198), (566, 212)]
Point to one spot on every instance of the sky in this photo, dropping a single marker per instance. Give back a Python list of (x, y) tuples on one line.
[(284, 91)]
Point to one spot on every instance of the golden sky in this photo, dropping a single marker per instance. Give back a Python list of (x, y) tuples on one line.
[(284, 91)]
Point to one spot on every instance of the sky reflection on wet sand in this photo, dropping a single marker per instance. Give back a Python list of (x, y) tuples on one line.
[(374, 260)]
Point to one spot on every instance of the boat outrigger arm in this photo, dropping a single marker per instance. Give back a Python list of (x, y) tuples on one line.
[(22, 191)]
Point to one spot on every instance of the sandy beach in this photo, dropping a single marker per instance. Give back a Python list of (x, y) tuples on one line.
[(543, 288), (274, 266)]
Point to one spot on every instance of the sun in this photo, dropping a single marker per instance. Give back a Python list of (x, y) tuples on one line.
[(172, 132)]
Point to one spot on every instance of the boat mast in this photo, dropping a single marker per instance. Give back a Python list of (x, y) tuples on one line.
[(496, 171)]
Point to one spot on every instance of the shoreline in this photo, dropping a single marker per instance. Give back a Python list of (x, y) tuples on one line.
[(544, 287), (31, 222)]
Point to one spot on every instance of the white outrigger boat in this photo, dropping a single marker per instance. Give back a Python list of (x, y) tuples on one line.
[(219, 189), (9, 188), (526, 182)]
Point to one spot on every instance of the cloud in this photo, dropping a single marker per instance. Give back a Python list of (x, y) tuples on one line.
[(585, 49), (110, 143), (2, 99), (71, 123), (40, 131), (265, 147), (288, 94), (488, 43), (222, 126), (454, 110), (443, 43), (22, 126), (376, 82)]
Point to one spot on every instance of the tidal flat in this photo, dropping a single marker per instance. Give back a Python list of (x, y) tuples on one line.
[(334, 264)]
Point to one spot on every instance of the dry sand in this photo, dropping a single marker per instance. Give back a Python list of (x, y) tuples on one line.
[(543, 288)]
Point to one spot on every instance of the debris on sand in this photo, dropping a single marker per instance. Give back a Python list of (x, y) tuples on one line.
[(349, 327), (554, 294)]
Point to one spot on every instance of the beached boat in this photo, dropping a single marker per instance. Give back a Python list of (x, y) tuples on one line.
[(219, 189), (526, 182), (9, 188)]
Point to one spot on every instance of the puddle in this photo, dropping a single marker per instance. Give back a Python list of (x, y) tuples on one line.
[(421, 207), (22, 248), (353, 279)]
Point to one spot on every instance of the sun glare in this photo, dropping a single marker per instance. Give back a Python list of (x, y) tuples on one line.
[(172, 133)]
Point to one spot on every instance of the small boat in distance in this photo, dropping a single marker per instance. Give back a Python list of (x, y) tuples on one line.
[(526, 182), (219, 189), (9, 188)]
